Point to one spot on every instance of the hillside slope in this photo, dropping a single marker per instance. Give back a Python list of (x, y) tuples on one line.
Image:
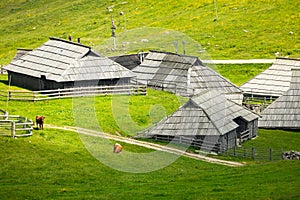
[(244, 29)]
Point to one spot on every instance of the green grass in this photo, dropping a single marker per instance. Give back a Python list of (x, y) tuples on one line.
[(240, 73), (276, 139), (123, 114), (244, 29), (55, 165)]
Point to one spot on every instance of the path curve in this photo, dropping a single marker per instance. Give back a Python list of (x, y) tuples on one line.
[(147, 145)]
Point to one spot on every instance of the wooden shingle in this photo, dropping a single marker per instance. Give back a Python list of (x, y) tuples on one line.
[(208, 113), (173, 71), (64, 61), (284, 113), (274, 81)]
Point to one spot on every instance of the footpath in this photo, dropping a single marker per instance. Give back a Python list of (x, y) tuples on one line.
[(147, 145)]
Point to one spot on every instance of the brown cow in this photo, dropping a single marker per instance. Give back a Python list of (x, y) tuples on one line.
[(117, 148), (40, 121)]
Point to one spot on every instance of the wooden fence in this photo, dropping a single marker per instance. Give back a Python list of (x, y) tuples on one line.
[(204, 145), (255, 153), (251, 153), (171, 87), (15, 126), (257, 103), (2, 71), (23, 95)]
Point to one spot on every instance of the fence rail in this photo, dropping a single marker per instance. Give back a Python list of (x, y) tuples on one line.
[(14, 125), (2, 70), (23, 95), (257, 103), (171, 87), (197, 143), (255, 153), (244, 152)]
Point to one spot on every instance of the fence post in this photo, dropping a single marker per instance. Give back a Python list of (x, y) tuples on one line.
[(234, 150), (9, 95), (34, 96), (253, 153), (13, 129), (270, 154)]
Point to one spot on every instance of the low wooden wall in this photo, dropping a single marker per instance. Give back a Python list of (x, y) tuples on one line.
[(23, 95), (14, 125)]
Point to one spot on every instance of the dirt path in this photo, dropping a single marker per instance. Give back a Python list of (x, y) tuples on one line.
[(147, 145)]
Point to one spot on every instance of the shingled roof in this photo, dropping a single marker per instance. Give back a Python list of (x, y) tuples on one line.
[(274, 81), (63, 61), (129, 61), (208, 113), (284, 113), (20, 53), (183, 71)]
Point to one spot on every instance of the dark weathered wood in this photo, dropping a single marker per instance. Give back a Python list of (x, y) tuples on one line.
[(252, 153)]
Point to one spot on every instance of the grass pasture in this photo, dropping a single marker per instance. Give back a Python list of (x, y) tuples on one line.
[(240, 73), (55, 164), (244, 29)]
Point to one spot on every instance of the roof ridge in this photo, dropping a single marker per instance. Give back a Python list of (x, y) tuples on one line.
[(282, 58), (204, 110), (220, 76), (70, 42)]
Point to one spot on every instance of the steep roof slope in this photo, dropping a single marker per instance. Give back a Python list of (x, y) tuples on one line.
[(181, 71), (129, 61), (208, 113), (274, 81), (94, 68), (285, 111), (62, 61)]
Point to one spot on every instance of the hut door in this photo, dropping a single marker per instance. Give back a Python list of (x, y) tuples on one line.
[(240, 129)]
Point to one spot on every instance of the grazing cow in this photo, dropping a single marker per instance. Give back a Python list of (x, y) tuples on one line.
[(117, 148), (40, 122)]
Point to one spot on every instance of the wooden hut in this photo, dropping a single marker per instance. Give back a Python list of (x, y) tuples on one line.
[(183, 75), (209, 121), (64, 64), (274, 81), (284, 113)]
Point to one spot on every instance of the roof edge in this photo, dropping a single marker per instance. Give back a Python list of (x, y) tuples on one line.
[(70, 42), (171, 53), (282, 58)]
